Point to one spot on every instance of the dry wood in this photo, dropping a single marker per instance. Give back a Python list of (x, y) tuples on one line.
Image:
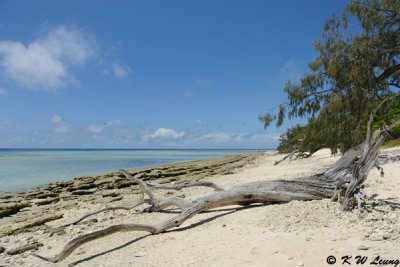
[(106, 209), (294, 155), (145, 189), (341, 182)]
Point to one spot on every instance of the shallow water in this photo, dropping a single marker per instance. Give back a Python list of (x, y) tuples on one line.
[(26, 168)]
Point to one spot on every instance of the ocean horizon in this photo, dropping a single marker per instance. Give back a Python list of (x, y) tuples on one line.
[(27, 168)]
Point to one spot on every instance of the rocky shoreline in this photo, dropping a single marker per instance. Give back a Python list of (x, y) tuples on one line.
[(30, 211), (298, 233)]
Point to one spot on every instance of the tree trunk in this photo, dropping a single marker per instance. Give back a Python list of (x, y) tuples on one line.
[(341, 182)]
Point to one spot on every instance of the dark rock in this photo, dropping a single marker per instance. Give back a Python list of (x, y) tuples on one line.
[(24, 248), (69, 197), (44, 220), (81, 252), (116, 199), (28, 227), (47, 201), (110, 194), (40, 194), (46, 195), (9, 209), (85, 179), (63, 184), (83, 192), (123, 183), (104, 180), (55, 231), (81, 187), (34, 194)]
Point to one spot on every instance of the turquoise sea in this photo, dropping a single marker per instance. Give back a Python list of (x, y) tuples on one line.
[(26, 168)]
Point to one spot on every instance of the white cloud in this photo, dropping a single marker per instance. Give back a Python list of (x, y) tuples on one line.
[(113, 123), (204, 83), (200, 137), (60, 126), (97, 128), (201, 84), (234, 139), (3, 92), (116, 133), (120, 71), (290, 71), (56, 119), (188, 93), (45, 63), (117, 70), (164, 134), (220, 137), (5, 122)]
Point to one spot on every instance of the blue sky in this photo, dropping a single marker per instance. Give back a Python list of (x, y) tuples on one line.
[(150, 74)]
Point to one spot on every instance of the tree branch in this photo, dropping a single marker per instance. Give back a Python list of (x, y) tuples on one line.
[(106, 209), (387, 73), (80, 240), (184, 185), (142, 184)]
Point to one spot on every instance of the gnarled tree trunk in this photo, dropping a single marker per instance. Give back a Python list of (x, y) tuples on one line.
[(342, 182)]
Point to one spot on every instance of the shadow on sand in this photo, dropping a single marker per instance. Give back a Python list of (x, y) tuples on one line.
[(226, 211)]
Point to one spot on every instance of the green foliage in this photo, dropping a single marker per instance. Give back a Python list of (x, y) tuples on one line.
[(358, 65), (291, 139), (388, 114), (392, 143)]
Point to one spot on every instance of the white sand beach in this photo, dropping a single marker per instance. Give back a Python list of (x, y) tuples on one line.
[(293, 234)]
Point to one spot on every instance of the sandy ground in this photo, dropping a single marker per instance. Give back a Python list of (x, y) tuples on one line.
[(292, 234)]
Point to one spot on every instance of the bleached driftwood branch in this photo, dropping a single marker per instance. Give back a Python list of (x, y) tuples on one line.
[(342, 182)]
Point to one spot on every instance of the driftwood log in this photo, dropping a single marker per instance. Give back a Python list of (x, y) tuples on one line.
[(342, 182), (294, 155)]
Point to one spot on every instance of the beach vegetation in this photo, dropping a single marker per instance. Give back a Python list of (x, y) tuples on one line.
[(356, 67)]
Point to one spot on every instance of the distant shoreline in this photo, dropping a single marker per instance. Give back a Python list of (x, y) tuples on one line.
[(139, 149), (115, 183), (100, 173)]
